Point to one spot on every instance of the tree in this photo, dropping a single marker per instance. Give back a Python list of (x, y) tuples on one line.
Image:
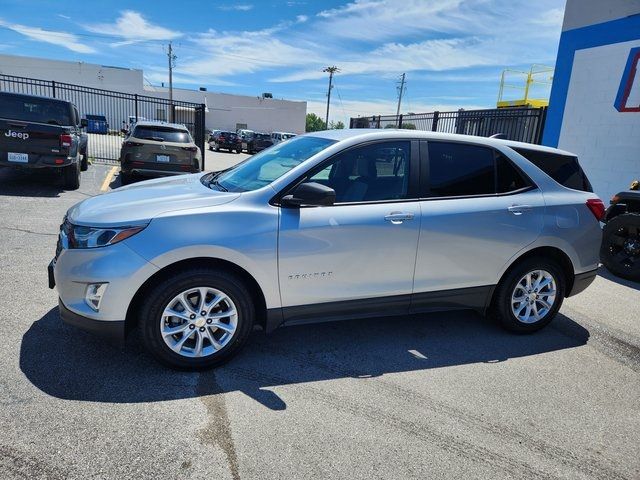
[(336, 125), (314, 123)]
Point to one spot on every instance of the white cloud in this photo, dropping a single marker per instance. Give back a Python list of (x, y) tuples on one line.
[(225, 54), (133, 27), (433, 55), (63, 39), (302, 18), (240, 8)]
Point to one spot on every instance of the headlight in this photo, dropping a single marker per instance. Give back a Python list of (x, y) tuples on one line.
[(92, 237)]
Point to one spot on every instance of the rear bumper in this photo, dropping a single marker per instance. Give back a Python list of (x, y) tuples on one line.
[(582, 281), (112, 331), (38, 161)]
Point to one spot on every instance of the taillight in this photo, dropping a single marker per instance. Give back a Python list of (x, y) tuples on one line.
[(65, 140), (133, 144), (221, 138), (190, 149), (597, 208)]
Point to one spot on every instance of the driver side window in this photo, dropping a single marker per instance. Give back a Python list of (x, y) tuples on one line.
[(373, 172)]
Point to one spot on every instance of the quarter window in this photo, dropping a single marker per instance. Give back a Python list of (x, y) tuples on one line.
[(509, 179), (373, 172)]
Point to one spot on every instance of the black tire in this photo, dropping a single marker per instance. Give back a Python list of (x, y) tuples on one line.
[(84, 163), (501, 304), (71, 174), (238, 150), (125, 178), (150, 315), (210, 148), (620, 250)]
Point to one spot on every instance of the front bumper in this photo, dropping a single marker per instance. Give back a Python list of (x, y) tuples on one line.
[(117, 265), (113, 331)]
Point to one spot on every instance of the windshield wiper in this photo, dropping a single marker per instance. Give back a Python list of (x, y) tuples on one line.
[(157, 139), (218, 185)]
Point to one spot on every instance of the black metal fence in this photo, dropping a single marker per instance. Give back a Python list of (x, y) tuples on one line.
[(120, 110), (521, 124)]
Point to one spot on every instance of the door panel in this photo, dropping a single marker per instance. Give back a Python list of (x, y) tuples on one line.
[(347, 252), (465, 242)]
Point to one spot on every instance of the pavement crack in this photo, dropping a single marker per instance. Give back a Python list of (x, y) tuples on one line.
[(217, 432), (26, 230)]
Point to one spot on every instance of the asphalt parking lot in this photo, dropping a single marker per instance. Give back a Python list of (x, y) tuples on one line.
[(446, 395)]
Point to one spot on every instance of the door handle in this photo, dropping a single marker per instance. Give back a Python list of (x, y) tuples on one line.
[(519, 209), (398, 217)]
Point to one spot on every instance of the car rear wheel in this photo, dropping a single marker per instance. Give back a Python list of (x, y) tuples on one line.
[(197, 319), (529, 295), (84, 164), (71, 174), (620, 250)]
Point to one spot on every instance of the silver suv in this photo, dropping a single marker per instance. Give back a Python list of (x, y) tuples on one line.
[(326, 226)]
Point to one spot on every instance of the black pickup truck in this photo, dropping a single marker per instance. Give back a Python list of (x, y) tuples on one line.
[(40, 132)]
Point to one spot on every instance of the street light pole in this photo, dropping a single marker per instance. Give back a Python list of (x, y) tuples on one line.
[(331, 71)]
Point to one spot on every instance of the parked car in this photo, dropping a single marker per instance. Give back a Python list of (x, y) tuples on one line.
[(155, 149), (226, 140), (97, 124), (326, 226), (278, 137), (257, 142), (41, 132), (244, 133), (620, 251)]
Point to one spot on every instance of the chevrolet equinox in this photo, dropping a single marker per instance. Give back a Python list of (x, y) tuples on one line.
[(326, 226)]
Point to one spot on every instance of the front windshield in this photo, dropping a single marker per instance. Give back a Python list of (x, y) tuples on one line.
[(268, 165)]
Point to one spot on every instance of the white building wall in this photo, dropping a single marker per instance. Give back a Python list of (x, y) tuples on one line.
[(225, 111), (606, 141)]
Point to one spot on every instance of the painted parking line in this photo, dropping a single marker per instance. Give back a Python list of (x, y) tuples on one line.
[(108, 178)]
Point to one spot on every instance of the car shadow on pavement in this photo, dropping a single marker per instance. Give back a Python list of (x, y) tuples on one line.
[(604, 273), (30, 183), (70, 364)]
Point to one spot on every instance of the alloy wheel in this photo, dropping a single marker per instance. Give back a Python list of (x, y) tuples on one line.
[(199, 322), (533, 296)]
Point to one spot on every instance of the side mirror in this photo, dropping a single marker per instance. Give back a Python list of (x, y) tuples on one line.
[(310, 194), (83, 122)]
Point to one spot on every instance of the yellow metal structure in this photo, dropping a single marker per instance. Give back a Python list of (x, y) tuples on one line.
[(538, 75)]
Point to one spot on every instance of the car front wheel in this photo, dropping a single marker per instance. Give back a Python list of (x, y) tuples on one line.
[(197, 319), (529, 295)]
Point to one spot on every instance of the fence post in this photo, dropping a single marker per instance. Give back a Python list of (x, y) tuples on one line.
[(53, 89), (434, 124), (542, 118), (202, 133), (378, 123), (400, 121), (135, 105)]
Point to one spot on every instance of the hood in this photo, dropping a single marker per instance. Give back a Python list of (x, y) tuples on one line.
[(145, 200)]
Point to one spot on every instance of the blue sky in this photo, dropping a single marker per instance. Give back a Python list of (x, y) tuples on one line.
[(452, 51)]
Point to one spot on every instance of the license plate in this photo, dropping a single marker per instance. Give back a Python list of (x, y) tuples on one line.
[(18, 157), (162, 158)]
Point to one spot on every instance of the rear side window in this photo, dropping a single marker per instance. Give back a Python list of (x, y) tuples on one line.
[(457, 169), (564, 169), (162, 134), (34, 109)]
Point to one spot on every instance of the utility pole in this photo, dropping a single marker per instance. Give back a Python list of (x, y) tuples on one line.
[(400, 92), (172, 59), (331, 71)]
